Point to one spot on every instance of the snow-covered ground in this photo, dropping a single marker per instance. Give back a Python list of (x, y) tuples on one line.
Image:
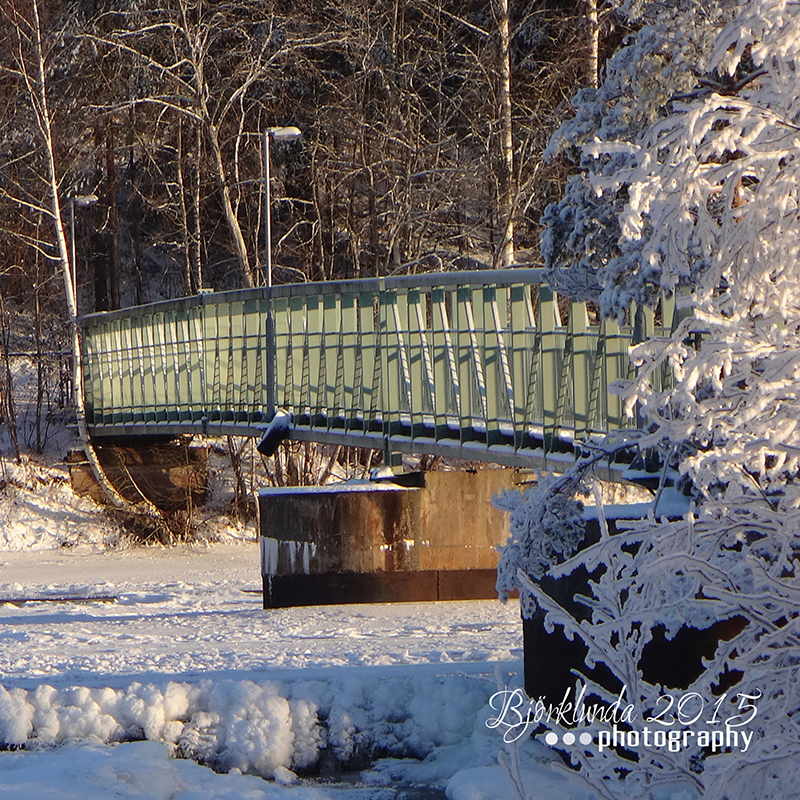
[(175, 662), (154, 673)]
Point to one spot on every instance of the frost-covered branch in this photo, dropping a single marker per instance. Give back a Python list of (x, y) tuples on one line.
[(706, 199)]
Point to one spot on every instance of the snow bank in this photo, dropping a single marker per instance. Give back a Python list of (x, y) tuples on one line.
[(140, 770), (264, 728), (39, 511), (492, 783)]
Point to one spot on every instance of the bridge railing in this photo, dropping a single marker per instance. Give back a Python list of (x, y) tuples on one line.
[(476, 364)]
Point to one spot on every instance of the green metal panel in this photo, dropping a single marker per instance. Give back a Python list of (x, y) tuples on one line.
[(94, 373), (583, 351), (200, 380), (330, 355), (252, 399), (298, 400), (138, 364), (163, 370), (487, 348), (240, 365), (565, 412), (228, 353), (550, 362), (522, 324), (371, 357), (386, 384), (420, 362), (395, 376), (447, 392), (312, 355), (499, 378), (347, 396), (470, 363), (213, 362), (132, 368), (616, 365), (284, 366), (145, 326), (114, 356), (400, 325)]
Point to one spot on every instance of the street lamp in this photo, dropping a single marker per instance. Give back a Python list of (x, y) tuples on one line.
[(290, 134), (82, 201)]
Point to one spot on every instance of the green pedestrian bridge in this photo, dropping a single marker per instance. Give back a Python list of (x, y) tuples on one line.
[(483, 365)]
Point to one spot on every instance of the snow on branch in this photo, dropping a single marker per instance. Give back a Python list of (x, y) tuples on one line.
[(707, 202)]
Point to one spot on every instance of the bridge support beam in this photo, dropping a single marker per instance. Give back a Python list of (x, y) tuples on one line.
[(171, 474)]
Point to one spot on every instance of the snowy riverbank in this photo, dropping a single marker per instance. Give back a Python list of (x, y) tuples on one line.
[(176, 651)]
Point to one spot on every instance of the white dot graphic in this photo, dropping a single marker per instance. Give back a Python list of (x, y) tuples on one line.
[(586, 738), (551, 738), (569, 738)]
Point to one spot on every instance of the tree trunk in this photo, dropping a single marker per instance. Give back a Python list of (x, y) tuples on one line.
[(593, 64), (189, 281), (227, 205), (38, 89), (113, 220), (505, 251)]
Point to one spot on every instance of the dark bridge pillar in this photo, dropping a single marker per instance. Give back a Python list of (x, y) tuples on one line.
[(363, 543)]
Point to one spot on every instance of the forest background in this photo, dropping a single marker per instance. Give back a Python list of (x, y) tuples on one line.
[(157, 108), (423, 123)]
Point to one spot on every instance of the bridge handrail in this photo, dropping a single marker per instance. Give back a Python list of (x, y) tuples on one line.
[(483, 277)]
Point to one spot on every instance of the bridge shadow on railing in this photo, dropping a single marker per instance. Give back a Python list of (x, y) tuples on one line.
[(476, 365)]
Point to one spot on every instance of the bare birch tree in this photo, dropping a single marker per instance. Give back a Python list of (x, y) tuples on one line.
[(504, 256), (28, 65)]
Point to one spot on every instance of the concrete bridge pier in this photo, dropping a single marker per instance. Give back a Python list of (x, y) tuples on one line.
[(382, 542)]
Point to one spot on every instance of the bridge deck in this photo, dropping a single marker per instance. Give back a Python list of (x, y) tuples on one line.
[(477, 365)]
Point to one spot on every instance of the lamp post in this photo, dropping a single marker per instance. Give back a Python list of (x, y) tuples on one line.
[(289, 134), (82, 201)]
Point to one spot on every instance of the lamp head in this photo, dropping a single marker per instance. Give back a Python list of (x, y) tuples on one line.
[(83, 200), (289, 134)]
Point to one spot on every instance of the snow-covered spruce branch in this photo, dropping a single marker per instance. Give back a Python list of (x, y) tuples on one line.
[(706, 199), (546, 524)]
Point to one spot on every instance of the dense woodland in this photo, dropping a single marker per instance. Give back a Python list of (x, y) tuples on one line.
[(423, 126)]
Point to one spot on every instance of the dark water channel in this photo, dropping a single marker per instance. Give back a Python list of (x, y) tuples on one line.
[(368, 791)]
